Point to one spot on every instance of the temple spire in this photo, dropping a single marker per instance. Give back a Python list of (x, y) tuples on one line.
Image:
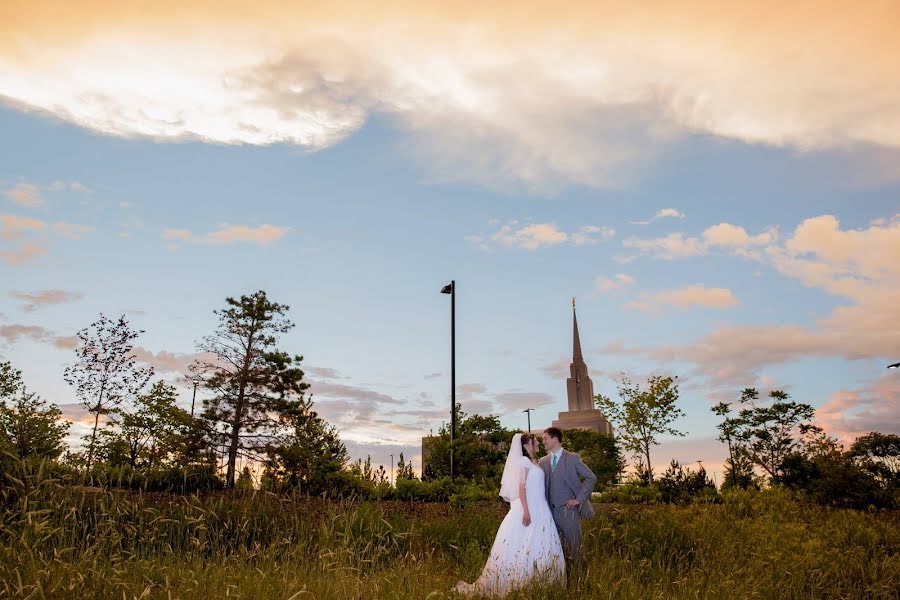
[(576, 341)]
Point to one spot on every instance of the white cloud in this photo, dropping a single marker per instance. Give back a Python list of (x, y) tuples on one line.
[(496, 94), (534, 236), (665, 213), (618, 281)]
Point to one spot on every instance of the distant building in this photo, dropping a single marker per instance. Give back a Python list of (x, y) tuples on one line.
[(582, 413)]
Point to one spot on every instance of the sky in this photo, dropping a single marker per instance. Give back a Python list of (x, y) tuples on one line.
[(718, 186)]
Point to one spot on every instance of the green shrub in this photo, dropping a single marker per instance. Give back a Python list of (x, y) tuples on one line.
[(630, 493)]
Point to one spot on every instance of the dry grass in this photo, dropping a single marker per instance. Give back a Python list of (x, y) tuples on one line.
[(62, 542)]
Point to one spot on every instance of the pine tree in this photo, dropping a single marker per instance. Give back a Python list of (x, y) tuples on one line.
[(253, 383)]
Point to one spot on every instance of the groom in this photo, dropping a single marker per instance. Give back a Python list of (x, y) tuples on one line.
[(568, 495)]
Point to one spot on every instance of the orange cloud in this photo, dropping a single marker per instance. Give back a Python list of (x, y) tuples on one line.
[(577, 93), (35, 300), (264, 235), (25, 194)]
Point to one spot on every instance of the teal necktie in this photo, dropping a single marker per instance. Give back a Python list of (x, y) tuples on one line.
[(553, 463)]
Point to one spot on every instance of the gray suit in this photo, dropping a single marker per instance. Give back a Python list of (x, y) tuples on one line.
[(565, 483)]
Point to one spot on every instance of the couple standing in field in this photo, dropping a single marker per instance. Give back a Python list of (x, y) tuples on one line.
[(541, 533)]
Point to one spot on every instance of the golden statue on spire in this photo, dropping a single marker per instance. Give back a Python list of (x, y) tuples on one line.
[(573, 302)]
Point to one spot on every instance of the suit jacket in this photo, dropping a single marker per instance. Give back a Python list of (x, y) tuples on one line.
[(568, 483)]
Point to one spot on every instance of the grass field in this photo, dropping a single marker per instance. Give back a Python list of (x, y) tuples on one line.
[(58, 542)]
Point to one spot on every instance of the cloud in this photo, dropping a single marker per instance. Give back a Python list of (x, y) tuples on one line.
[(164, 361), (849, 414), (11, 333), (21, 255), (723, 237), (665, 213), (692, 296), (264, 235), (76, 186), (323, 372), (35, 300), (27, 195), (12, 226), (512, 402), (537, 235), (616, 282), (581, 94), (860, 266)]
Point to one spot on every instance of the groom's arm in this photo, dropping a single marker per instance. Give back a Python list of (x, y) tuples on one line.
[(587, 485)]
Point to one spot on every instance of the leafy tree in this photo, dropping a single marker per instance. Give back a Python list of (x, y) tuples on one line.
[(643, 415), (879, 453), (600, 452), (253, 383), (832, 478), (770, 433), (152, 433), (739, 466), (29, 427), (310, 455), (739, 470), (481, 447), (405, 469), (105, 373)]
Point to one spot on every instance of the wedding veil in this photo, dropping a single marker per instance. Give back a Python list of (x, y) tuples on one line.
[(509, 482)]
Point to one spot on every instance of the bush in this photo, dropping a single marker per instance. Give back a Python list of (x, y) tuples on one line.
[(680, 486), (471, 492), (630, 493)]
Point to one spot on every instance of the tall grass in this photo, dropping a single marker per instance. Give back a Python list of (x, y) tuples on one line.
[(59, 541)]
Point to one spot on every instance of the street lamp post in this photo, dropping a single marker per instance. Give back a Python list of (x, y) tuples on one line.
[(451, 289), (194, 397), (528, 411), (392, 469)]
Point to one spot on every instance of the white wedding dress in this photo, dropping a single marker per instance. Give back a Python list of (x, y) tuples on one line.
[(521, 554)]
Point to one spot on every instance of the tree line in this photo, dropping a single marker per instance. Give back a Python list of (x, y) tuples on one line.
[(256, 409), (771, 442)]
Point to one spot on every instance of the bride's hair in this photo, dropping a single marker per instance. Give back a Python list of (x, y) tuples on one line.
[(526, 439)]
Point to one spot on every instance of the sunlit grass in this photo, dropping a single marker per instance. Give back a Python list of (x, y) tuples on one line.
[(60, 541)]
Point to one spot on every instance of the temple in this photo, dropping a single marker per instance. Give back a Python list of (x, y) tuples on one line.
[(581, 414)]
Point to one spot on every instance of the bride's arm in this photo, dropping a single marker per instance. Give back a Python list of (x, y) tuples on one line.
[(526, 516)]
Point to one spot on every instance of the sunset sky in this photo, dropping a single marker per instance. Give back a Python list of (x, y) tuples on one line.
[(719, 187)]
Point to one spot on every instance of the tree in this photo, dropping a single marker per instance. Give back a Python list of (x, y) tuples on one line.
[(643, 415), (152, 433), (252, 382), (770, 433), (480, 448), (29, 427), (405, 469), (678, 485), (738, 466), (739, 471), (310, 455), (879, 453), (105, 373), (600, 452)]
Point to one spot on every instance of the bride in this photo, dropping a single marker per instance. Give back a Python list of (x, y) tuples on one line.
[(527, 545)]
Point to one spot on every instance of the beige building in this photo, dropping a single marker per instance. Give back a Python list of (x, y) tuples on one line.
[(582, 413)]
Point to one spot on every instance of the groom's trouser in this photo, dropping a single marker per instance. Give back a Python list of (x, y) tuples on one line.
[(568, 523)]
